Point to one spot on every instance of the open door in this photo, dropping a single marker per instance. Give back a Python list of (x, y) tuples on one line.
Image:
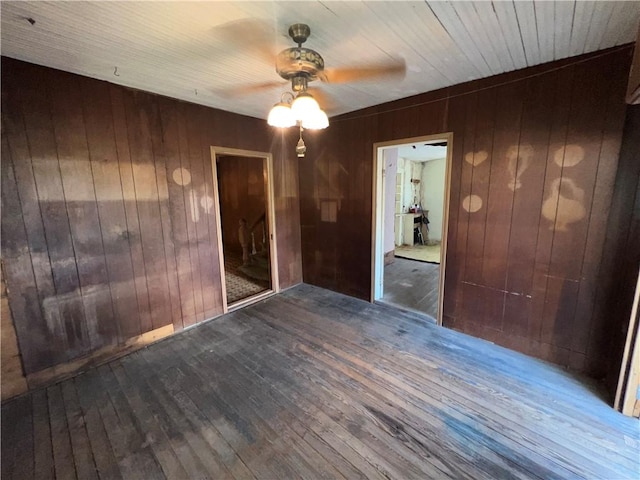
[(410, 219), (245, 215)]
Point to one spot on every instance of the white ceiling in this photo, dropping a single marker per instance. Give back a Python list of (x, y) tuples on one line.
[(219, 53), (421, 152)]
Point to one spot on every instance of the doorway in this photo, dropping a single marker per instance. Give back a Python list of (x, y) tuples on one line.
[(410, 217), (244, 212)]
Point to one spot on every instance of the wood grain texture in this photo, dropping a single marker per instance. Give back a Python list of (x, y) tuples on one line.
[(178, 205), (102, 238), (242, 195), (23, 294), (103, 154), (522, 270), (412, 285), (537, 150), (456, 118), (187, 153), (605, 188), (159, 160), (80, 203), (12, 375), (63, 310), (132, 232), (315, 384), (526, 166), (212, 301), (287, 203), (141, 118), (621, 261)]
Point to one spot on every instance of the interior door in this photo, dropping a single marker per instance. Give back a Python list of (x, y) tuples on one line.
[(244, 204)]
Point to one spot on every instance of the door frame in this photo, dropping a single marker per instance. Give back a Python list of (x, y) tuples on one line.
[(377, 214), (629, 376), (271, 224)]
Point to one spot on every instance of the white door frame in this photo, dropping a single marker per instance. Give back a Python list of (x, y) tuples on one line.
[(377, 220), (271, 224)]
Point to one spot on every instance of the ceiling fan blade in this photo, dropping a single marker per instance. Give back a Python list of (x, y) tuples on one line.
[(394, 69), (250, 89), (326, 102), (250, 34)]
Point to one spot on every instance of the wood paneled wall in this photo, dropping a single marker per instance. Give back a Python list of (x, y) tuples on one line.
[(622, 248), (107, 225), (242, 195), (535, 154), (13, 379)]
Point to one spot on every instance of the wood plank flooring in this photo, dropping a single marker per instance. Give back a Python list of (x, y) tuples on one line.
[(413, 285), (312, 384)]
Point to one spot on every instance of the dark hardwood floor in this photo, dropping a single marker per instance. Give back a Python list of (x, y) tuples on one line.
[(412, 285), (313, 384)]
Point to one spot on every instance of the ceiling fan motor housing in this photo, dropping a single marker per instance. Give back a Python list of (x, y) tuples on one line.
[(299, 64), (292, 62)]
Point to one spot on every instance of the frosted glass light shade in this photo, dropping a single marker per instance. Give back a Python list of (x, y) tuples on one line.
[(281, 116), (315, 120), (303, 106)]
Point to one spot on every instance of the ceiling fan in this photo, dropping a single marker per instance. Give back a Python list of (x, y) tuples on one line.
[(301, 65)]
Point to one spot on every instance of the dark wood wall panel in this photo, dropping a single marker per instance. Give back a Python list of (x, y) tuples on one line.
[(178, 211), (139, 115), (324, 182), (354, 180), (507, 165), (111, 207), (24, 296), (23, 238), (64, 311), (605, 188), (212, 295), (539, 318), (534, 154), (132, 231), (188, 154), (463, 294), (526, 165), (108, 227), (79, 200), (160, 161), (287, 202), (618, 270), (481, 151), (242, 195), (456, 118)]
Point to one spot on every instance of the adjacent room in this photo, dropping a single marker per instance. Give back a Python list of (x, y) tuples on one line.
[(243, 193), (415, 189), (378, 239)]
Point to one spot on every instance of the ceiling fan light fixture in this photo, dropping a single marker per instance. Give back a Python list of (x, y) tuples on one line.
[(300, 65), (304, 106), (316, 120), (281, 116)]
